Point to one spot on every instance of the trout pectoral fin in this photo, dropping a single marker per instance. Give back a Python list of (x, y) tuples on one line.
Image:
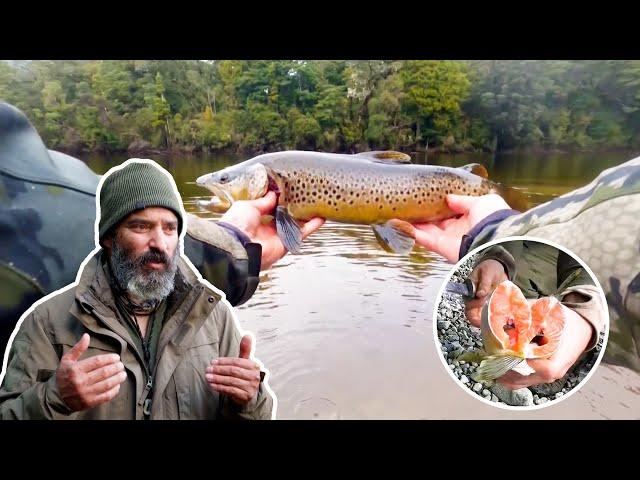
[(388, 156), (472, 356), (393, 237), (476, 169), (288, 230), (495, 366)]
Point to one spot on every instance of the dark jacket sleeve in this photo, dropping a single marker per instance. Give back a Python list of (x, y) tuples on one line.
[(222, 259)]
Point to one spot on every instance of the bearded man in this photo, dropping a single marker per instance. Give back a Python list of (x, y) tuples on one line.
[(139, 335)]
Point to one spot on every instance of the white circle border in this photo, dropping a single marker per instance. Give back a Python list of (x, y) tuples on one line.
[(504, 406)]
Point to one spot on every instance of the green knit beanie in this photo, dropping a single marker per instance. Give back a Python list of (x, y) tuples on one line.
[(138, 185)]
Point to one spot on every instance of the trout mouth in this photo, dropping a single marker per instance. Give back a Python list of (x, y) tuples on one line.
[(224, 196), (272, 186), (216, 189)]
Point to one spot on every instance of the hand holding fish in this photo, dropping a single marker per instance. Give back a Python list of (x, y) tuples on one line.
[(444, 237), (487, 275), (527, 341), (576, 337), (246, 215)]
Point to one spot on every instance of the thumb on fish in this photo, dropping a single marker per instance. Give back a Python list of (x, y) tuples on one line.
[(266, 204), (461, 204), (427, 235), (484, 286), (311, 226)]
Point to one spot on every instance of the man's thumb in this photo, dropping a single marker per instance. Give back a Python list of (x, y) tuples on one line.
[(78, 349), (461, 204), (266, 204), (245, 347), (484, 286)]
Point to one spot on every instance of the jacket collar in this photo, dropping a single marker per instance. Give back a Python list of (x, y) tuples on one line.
[(94, 294)]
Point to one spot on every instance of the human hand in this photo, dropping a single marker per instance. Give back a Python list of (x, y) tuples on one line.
[(444, 237), (486, 276), (246, 215), (575, 338), (238, 378), (86, 383)]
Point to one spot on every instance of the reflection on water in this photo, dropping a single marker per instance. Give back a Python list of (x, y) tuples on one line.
[(345, 328)]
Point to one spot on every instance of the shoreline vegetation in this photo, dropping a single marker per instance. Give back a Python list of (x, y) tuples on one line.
[(251, 107)]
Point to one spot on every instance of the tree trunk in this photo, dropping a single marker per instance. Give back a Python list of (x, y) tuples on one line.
[(167, 133)]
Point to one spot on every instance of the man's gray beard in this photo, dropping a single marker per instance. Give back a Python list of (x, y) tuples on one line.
[(143, 285)]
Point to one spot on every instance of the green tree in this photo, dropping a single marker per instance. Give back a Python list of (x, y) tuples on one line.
[(435, 91)]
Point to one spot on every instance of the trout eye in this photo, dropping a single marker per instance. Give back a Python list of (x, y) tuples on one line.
[(224, 178)]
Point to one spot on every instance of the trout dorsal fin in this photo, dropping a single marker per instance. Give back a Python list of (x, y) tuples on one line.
[(476, 169), (386, 156)]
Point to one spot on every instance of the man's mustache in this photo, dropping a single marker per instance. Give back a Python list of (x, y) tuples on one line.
[(153, 256)]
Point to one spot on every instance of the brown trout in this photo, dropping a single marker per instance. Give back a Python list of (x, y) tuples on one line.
[(381, 189)]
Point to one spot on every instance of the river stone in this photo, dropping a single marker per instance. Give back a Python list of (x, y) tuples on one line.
[(520, 398)]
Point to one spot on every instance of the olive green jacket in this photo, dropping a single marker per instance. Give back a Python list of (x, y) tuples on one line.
[(198, 328)]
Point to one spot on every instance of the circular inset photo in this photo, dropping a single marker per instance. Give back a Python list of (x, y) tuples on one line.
[(521, 323)]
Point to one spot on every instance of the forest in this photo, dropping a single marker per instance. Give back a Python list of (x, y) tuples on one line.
[(328, 105)]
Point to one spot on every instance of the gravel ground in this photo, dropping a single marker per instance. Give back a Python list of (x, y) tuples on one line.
[(457, 335)]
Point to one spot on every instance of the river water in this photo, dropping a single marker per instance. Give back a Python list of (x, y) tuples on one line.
[(345, 328)]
